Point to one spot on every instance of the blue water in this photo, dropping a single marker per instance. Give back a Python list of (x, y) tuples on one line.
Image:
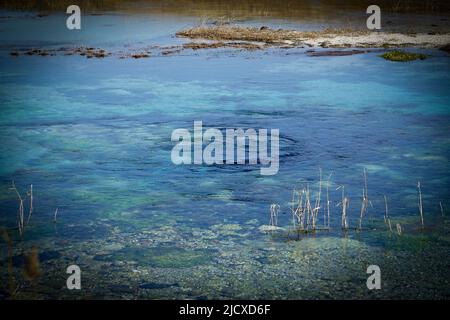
[(93, 137)]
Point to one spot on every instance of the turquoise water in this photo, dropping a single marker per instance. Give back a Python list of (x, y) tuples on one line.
[(93, 137)]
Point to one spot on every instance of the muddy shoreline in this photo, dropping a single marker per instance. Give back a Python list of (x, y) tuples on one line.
[(260, 38), (328, 38)]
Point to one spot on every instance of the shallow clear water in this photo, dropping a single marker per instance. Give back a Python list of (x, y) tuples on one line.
[(93, 137)]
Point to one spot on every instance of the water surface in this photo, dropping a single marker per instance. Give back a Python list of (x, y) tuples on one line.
[(93, 137)]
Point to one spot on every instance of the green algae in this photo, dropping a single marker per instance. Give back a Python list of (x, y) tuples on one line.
[(402, 56)]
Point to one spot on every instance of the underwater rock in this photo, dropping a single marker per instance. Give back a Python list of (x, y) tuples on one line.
[(49, 255), (122, 288), (252, 222), (154, 285), (267, 228), (140, 55), (169, 52), (227, 229), (113, 247), (161, 257)]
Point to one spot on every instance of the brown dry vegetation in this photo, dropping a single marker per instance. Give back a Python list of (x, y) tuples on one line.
[(336, 38), (266, 35), (220, 44)]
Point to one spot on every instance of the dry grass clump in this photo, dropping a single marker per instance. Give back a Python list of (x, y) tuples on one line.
[(263, 34)]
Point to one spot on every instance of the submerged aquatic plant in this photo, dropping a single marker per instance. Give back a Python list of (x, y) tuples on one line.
[(32, 267), (11, 281)]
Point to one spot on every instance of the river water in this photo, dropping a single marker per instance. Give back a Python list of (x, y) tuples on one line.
[(93, 137)]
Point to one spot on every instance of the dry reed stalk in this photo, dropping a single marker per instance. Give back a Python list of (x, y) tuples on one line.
[(420, 203), (342, 199), (20, 212), (294, 212), (344, 213), (31, 204), (344, 204), (318, 199), (302, 210), (363, 208), (54, 217), (387, 221), (399, 229), (328, 199), (365, 200), (309, 216)]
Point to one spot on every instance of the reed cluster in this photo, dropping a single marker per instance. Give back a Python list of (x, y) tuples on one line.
[(306, 204), (21, 215)]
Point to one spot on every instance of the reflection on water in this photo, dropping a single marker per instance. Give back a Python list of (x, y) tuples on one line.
[(409, 16), (93, 137), (243, 8)]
